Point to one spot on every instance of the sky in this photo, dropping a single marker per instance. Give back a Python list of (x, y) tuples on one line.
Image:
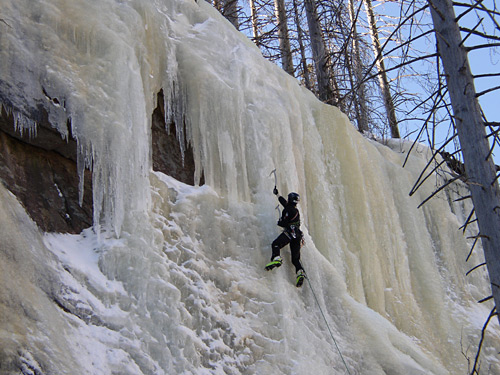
[(482, 61)]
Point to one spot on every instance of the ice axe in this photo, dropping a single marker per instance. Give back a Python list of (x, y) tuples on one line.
[(275, 178), (275, 184)]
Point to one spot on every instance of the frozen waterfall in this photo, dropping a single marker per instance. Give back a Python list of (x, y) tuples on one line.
[(170, 279)]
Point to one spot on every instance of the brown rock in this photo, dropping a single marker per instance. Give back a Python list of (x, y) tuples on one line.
[(167, 155), (42, 173)]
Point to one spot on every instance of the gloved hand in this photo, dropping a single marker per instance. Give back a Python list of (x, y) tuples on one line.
[(275, 191)]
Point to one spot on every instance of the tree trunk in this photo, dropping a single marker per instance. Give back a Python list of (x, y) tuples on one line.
[(229, 9), (325, 92), (300, 37), (383, 81), (282, 23), (479, 166), (357, 68), (255, 25)]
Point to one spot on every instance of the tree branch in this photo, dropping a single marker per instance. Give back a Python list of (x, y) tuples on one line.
[(471, 8), (475, 268), (487, 75), (485, 299), (479, 33), (472, 249), (420, 183), (470, 31), (389, 38), (487, 91), (449, 182), (401, 65), (483, 332), (479, 46), (484, 9), (467, 222)]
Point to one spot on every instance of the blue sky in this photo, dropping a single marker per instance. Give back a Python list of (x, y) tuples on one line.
[(482, 61)]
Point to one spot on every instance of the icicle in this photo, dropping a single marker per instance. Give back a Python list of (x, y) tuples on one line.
[(23, 124)]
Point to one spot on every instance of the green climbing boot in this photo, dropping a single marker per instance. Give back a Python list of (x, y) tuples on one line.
[(276, 262), (300, 278)]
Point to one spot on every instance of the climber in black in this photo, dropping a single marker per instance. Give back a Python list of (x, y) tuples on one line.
[(290, 222)]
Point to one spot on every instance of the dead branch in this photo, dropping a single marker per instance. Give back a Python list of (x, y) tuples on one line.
[(467, 222), (478, 33), (480, 46), (486, 75), (475, 268), (449, 182), (470, 31), (424, 126), (409, 62), (485, 299), (389, 38), (481, 8), (487, 91), (419, 182), (471, 249), (483, 332), (470, 9), (463, 198)]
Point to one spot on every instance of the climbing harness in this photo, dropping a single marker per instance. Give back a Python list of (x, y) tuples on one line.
[(326, 322)]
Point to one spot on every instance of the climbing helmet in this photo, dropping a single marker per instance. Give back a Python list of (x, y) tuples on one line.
[(293, 198)]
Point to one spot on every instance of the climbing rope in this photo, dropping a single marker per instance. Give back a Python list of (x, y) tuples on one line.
[(326, 322)]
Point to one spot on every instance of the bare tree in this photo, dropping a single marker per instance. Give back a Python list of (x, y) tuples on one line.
[(229, 9), (384, 82), (284, 40), (261, 26), (479, 167), (359, 100), (320, 58), (302, 49), (254, 21)]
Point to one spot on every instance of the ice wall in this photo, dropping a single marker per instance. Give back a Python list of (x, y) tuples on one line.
[(176, 283)]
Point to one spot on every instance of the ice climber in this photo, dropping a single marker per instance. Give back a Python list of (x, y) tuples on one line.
[(290, 222)]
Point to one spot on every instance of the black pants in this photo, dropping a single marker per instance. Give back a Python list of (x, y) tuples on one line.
[(283, 240)]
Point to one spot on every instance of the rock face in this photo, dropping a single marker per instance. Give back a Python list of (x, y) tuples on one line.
[(41, 170), (167, 155)]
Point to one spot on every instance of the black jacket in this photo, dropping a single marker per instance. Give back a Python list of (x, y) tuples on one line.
[(290, 215)]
